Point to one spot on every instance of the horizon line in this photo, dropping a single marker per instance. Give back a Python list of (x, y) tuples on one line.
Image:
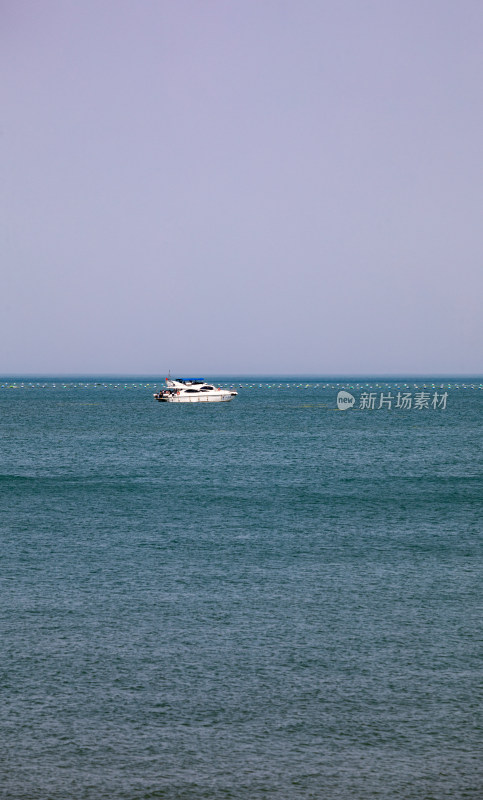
[(310, 375)]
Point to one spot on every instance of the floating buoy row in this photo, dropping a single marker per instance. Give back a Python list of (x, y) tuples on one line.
[(395, 385), (361, 386)]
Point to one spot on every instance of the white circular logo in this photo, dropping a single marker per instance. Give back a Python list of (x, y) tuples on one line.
[(345, 401)]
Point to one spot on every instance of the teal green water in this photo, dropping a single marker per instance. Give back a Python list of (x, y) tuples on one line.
[(267, 598)]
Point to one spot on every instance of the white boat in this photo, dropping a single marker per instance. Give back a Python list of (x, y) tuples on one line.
[(193, 390)]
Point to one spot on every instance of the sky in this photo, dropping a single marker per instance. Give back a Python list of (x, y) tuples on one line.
[(241, 187)]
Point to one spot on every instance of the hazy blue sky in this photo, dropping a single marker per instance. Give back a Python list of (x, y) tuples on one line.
[(241, 186)]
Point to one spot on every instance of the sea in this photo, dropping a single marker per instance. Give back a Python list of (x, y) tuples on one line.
[(277, 598)]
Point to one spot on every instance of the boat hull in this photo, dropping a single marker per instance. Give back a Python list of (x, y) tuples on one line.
[(209, 398)]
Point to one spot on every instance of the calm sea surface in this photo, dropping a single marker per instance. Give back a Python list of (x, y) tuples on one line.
[(268, 598)]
